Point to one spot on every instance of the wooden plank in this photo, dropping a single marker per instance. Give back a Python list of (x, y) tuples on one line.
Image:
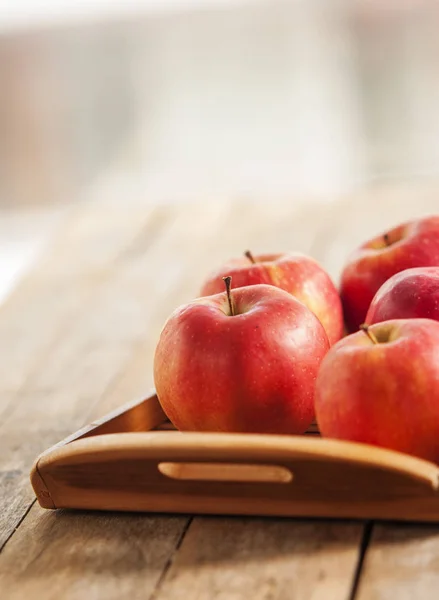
[(63, 351), (91, 353), (124, 315), (253, 558), (401, 562), (102, 353), (47, 301), (87, 555), (82, 364)]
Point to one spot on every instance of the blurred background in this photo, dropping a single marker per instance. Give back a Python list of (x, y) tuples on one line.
[(177, 100)]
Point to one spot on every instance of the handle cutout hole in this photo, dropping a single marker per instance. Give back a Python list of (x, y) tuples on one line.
[(225, 472)]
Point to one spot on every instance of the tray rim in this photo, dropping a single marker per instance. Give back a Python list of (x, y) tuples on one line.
[(96, 439)]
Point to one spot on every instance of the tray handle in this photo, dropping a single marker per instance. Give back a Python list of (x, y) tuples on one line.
[(218, 471), (234, 473)]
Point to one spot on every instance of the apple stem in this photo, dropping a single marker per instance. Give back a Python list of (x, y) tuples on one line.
[(386, 239), (369, 333), (228, 281), (249, 255)]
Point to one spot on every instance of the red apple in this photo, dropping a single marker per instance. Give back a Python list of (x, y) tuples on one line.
[(381, 386), (247, 364), (295, 273), (413, 293), (413, 244)]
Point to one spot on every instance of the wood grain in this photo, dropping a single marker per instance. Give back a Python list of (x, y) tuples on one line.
[(90, 354), (50, 299), (77, 339), (263, 559), (401, 562), (87, 555), (62, 348), (101, 357), (232, 474)]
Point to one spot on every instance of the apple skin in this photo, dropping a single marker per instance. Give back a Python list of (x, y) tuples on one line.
[(384, 394), (252, 372), (411, 294), (412, 244), (295, 273)]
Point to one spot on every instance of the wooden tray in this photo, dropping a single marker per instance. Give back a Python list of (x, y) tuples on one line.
[(132, 460)]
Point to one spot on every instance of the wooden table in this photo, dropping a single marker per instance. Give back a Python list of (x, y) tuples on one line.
[(77, 338)]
